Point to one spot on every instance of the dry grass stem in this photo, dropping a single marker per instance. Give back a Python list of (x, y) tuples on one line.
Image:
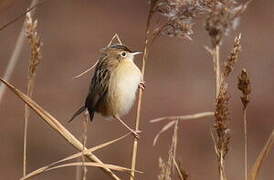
[(245, 87), (57, 126), (91, 164), (262, 156), (174, 120), (140, 95), (168, 168), (115, 37), (181, 172), (164, 129), (245, 145), (86, 71), (184, 117), (217, 68), (35, 44), (77, 155), (15, 55), (173, 147), (84, 137), (223, 16), (222, 135)]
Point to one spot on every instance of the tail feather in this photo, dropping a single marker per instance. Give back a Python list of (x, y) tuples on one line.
[(91, 115), (79, 111)]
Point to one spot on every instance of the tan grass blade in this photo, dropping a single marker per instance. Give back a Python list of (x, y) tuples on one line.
[(56, 125), (86, 71), (116, 36), (35, 43), (178, 170), (87, 151), (164, 129), (92, 164), (262, 156), (184, 117)]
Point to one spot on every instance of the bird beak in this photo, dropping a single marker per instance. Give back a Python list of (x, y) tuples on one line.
[(135, 53)]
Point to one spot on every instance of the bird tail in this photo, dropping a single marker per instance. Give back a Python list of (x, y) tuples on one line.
[(79, 111)]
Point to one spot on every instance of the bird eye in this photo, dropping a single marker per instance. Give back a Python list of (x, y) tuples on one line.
[(123, 54)]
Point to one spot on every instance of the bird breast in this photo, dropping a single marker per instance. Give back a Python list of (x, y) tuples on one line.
[(124, 83)]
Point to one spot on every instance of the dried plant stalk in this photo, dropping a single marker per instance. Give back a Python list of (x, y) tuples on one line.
[(245, 87), (57, 126), (173, 120), (138, 113), (180, 170), (184, 117), (168, 167), (35, 44), (77, 155), (222, 15), (262, 156), (85, 137)]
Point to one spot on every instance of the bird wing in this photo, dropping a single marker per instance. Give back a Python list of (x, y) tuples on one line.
[(99, 84)]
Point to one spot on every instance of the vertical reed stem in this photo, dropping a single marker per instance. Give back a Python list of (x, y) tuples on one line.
[(84, 137), (217, 68), (246, 141), (30, 86), (216, 60), (138, 113)]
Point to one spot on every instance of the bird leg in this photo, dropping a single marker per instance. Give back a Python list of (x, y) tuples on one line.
[(142, 85), (135, 133)]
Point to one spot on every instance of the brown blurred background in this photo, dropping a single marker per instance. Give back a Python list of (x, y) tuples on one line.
[(179, 80)]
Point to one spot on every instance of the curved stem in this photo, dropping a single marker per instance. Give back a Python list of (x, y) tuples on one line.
[(138, 114)]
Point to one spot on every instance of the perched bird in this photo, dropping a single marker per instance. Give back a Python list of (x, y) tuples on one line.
[(113, 85)]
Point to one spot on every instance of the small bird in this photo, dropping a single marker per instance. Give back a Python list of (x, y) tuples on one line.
[(113, 85)]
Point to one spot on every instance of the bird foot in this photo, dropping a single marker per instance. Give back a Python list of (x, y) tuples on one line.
[(142, 85)]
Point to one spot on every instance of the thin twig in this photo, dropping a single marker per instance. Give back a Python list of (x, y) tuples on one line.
[(244, 85), (138, 113), (262, 156), (86, 71), (246, 142), (84, 136), (76, 155), (35, 44), (216, 60), (178, 170), (184, 117), (217, 68), (174, 119)]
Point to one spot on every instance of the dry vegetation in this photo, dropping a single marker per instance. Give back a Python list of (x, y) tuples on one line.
[(177, 18)]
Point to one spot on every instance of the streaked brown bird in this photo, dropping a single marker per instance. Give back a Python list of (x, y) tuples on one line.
[(114, 84)]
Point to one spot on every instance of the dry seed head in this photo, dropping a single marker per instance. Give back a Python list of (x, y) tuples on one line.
[(222, 121), (244, 86), (34, 41), (223, 16), (233, 57), (179, 15), (165, 170)]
